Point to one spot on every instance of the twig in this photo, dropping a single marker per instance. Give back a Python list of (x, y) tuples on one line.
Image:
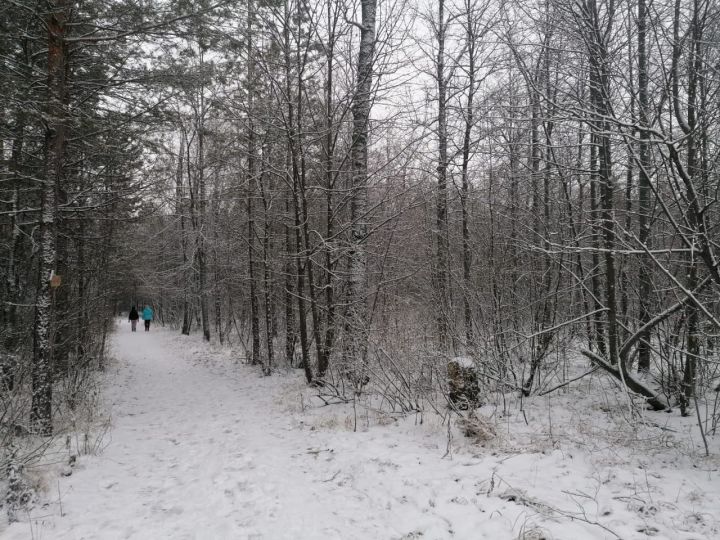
[(333, 477), (702, 431), (60, 499), (520, 498), (593, 370), (448, 450)]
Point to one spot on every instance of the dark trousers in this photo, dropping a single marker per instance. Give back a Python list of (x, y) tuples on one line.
[(147, 326)]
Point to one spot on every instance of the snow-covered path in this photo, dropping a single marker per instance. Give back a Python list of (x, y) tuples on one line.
[(202, 447), (200, 454), (205, 452)]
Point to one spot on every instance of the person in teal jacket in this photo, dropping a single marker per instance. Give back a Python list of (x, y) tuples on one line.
[(147, 316)]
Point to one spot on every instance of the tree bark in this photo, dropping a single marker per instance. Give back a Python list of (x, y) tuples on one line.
[(180, 213), (441, 233), (644, 191), (357, 331), (251, 181), (55, 135), (472, 45), (202, 212)]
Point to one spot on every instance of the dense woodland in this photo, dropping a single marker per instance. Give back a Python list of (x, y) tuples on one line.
[(364, 190)]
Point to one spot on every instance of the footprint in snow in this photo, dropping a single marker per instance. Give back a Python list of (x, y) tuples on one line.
[(171, 509)]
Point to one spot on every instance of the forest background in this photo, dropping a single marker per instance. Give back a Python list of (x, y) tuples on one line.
[(366, 191)]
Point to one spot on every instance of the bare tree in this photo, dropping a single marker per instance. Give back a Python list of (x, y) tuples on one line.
[(357, 313)]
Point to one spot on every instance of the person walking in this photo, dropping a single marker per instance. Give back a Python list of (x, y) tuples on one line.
[(133, 318), (147, 316)]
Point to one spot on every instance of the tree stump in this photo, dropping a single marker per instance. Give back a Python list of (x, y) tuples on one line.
[(464, 391)]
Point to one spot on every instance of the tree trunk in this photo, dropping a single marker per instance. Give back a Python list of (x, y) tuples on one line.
[(180, 212), (202, 216), (290, 321), (441, 234), (694, 216), (600, 93), (464, 190), (42, 369), (11, 334), (329, 151), (251, 181), (644, 192), (267, 279), (294, 160), (357, 331)]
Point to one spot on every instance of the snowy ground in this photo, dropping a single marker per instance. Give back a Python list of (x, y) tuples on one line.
[(202, 447)]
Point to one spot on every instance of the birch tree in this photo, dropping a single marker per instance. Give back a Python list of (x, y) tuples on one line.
[(357, 313)]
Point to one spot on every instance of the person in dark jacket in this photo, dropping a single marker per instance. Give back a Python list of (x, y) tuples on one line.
[(133, 318)]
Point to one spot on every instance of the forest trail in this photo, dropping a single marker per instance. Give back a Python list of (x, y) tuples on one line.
[(203, 447), (204, 451), (200, 453)]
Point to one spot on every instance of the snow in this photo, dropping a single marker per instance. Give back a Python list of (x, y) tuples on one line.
[(464, 361), (204, 447)]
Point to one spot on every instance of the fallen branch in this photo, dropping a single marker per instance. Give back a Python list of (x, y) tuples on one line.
[(652, 399), (557, 387), (519, 497)]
